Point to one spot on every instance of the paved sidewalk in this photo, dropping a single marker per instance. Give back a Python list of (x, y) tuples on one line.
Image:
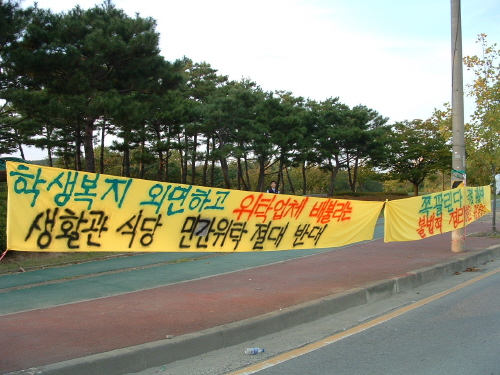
[(124, 329)]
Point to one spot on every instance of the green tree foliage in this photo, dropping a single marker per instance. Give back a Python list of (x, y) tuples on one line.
[(483, 134), (415, 151), (440, 123), (331, 116), (202, 83), (88, 61), (71, 81), (13, 22), (364, 144), (237, 125), (307, 156), (288, 128), (347, 138)]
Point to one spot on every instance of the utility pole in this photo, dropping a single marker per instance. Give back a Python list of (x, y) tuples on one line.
[(457, 116), (494, 208)]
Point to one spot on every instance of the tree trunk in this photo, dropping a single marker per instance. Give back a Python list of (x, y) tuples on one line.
[(66, 160), (88, 145), (167, 167), (126, 162), (181, 161), (353, 175), (292, 188), (78, 150), (182, 165), (262, 171), (161, 165), (333, 176), (304, 178), (205, 164), (225, 173), (103, 135), (212, 167), (212, 173), (240, 174), (142, 169), (242, 184), (21, 151), (49, 156), (193, 162), (349, 178), (159, 149), (49, 148), (247, 174), (281, 180), (185, 160)]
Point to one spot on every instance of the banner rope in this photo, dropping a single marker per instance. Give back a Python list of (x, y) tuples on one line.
[(5, 252), (461, 239)]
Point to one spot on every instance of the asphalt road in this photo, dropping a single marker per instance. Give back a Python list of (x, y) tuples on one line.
[(433, 329), (457, 334)]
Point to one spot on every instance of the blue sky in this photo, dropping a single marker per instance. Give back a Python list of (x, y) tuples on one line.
[(393, 56)]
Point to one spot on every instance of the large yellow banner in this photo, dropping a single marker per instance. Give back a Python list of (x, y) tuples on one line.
[(420, 217), (51, 209)]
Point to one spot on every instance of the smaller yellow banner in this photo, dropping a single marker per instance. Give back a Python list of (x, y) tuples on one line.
[(420, 217)]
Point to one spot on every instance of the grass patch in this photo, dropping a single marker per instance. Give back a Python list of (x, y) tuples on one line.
[(21, 261), (380, 197), (489, 234)]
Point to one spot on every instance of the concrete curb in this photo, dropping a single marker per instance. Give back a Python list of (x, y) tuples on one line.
[(141, 357)]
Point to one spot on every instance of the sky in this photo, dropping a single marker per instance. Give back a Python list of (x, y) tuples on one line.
[(392, 56)]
